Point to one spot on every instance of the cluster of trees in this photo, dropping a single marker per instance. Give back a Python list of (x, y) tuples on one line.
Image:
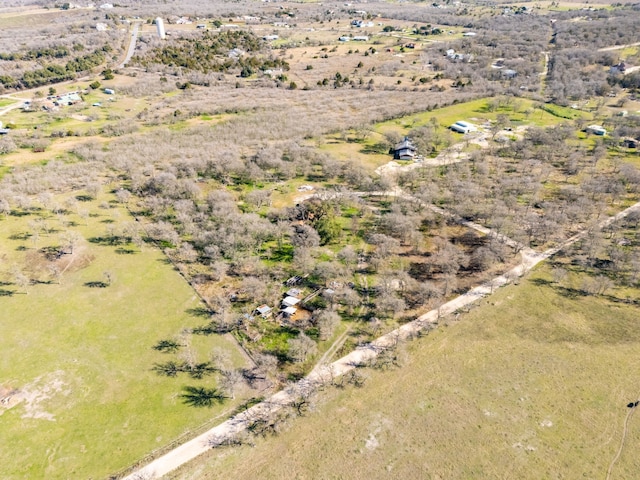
[(209, 52), (596, 29), (511, 193), (58, 51), (54, 73)]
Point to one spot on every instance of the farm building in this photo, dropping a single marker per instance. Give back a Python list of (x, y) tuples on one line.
[(630, 142), (67, 99), (264, 311), (463, 127), (405, 150), (596, 130), (290, 301)]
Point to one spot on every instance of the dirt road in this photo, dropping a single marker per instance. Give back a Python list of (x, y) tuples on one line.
[(361, 356)]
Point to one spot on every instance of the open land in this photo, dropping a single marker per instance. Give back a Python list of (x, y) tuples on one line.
[(157, 218)]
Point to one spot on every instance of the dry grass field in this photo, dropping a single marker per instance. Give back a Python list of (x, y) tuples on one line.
[(530, 384)]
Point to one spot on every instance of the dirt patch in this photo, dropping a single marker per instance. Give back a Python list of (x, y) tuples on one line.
[(34, 395)]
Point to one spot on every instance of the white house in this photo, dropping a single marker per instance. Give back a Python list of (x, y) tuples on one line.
[(596, 130), (463, 127)]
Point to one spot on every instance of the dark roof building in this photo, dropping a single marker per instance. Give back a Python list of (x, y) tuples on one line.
[(405, 150)]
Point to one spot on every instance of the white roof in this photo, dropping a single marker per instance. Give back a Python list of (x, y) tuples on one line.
[(291, 301), (290, 310)]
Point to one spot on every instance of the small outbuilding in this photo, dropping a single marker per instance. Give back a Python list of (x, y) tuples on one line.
[(264, 311), (289, 311)]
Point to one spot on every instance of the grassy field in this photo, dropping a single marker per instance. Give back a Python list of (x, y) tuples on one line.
[(78, 359), (521, 112), (531, 384)]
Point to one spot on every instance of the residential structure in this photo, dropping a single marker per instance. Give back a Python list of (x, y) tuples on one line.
[(405, 150), (463, 127), (596, 130)]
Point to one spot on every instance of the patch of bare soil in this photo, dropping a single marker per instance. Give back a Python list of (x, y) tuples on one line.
[(34, 395)]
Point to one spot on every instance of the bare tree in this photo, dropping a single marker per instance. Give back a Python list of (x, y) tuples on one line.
[(301, 347), (326, 321)]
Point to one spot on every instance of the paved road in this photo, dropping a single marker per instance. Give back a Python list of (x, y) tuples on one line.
[(618, 47), (132, 45), (361, 356)]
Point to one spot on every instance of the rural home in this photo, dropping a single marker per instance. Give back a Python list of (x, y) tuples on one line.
[(463, 127), (405, 150), (596, 130), (618, 68)]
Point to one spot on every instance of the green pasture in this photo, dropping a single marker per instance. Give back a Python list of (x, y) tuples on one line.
[(521, 111), (533, 383), (5, 102), (82, 355), (349, 146)]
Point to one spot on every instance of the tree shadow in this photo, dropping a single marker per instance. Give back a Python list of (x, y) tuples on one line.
[(6, 293), (109, 241), (200, 370), (541, 282), (201, 396), (84, 198), (52, 253), (282, 254), (19, 213), (125, 251), (96, 284), (20, 236), (202, 312), (167, 346)]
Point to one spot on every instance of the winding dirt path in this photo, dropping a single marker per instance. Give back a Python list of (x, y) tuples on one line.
[(622, 441)]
